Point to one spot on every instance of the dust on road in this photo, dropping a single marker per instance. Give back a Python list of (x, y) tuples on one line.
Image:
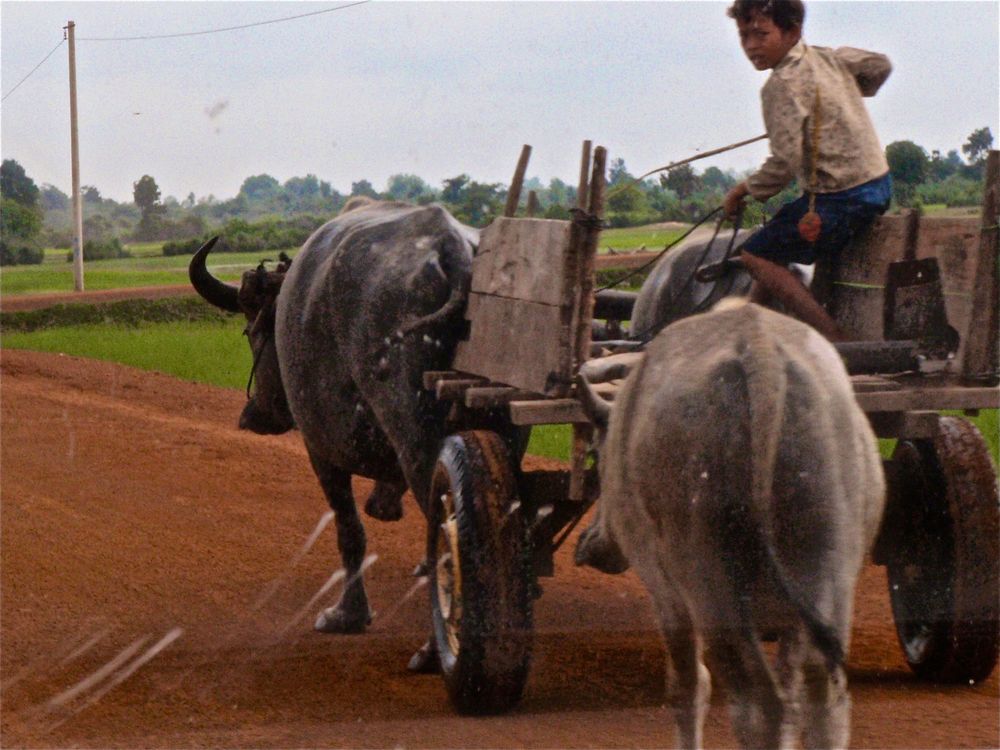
[(137, 521)]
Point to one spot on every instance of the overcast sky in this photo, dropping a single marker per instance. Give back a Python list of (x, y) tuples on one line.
[(437, 89)]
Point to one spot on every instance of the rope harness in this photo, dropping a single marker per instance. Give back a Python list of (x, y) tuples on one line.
[(247, 331)]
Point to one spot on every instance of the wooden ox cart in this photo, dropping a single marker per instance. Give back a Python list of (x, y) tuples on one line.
[(494, 526)]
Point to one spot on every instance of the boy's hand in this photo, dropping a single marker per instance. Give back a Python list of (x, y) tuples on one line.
[(734, 199)]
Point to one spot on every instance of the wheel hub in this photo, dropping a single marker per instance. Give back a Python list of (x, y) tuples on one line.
[(449, 575)]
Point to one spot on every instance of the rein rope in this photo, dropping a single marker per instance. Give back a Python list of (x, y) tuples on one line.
[(253, 367), (662, 252), (648, 336)]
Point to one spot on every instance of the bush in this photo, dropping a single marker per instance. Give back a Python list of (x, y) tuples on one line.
[(188, 247), (107, 249), (20, 254), (952, 191), (239, 236), (57, 237)]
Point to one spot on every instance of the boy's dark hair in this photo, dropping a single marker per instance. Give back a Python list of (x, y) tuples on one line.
[(786, 14)]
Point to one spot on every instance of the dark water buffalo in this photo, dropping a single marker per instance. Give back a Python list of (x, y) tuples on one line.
[(340, 342), (743, 482)]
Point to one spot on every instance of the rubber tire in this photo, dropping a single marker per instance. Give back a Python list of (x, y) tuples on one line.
[(944, 567), (485, 655)]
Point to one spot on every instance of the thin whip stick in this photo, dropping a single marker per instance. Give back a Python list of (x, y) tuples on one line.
[(682, 162)]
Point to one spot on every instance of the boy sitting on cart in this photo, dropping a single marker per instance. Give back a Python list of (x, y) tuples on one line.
[(820, 133)]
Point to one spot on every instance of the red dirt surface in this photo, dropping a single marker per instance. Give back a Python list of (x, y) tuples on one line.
[(132, 507), (22, 302)]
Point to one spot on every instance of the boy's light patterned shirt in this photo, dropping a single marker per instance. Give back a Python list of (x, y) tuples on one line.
[(850, 153)]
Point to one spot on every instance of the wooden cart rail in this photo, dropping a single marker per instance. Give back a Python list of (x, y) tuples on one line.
[(896, 406)]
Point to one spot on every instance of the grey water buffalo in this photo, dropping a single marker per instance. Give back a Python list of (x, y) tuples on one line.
[(340, 341), (671, 291), (743, 483)]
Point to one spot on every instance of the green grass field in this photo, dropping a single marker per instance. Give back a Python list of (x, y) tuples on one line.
[(202, 351), (633, 238), (56, 274), (148, 267)]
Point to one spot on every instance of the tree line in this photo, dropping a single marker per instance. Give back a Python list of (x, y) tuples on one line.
[(267, 214)]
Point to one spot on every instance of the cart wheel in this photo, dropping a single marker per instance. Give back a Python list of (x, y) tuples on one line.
[(943, 569), (480, 574)]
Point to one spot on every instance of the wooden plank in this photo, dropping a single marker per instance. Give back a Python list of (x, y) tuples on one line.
[(489, 397), (868, 383), (523, 259), (431, 377), (930, 398), (856, 293), (452, 390), (517, 343), (548, 411)]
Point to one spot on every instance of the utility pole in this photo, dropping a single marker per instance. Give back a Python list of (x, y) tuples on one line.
[(75, 151)]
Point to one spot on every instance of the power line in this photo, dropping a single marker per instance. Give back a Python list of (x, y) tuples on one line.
[(33, 69), (216, 31)]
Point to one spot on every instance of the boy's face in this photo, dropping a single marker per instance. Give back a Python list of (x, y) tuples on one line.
[(764, 43)]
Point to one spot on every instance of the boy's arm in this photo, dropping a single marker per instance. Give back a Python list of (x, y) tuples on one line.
[(784, 119), (870, 69)]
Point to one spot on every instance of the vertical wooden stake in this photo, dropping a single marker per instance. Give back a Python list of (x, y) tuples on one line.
[(582, 434), (514, 194), (532, 208), (586, 252), (581, 188), (981, 362), (571, 274)]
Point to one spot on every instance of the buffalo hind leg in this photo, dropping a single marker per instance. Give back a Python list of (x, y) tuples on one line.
[(755, 700), (689, 686), (351, 613), (827, 705), (793, 647)]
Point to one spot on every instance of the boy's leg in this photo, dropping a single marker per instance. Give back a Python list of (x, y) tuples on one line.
[(773, 282)]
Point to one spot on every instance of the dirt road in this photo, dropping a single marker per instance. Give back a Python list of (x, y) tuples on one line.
[(136, 520)]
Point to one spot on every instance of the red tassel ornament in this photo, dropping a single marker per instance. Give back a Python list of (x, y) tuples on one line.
[(809, 226)]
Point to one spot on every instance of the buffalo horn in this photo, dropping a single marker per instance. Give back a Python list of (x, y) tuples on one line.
[(596, 408), (214, 291)]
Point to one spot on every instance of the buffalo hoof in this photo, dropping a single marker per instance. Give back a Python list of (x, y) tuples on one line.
[(599, 551), (425, 660), (386, 502), (336, 620)]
